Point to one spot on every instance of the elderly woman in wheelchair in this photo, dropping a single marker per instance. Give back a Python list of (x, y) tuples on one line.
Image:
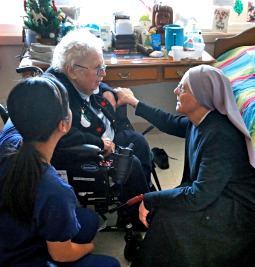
[(78, 63)]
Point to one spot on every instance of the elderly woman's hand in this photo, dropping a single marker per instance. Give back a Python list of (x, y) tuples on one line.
[(109, 146), (126, 96)]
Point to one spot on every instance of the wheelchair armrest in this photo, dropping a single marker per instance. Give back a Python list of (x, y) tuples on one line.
[(32, 69), (84, 150)]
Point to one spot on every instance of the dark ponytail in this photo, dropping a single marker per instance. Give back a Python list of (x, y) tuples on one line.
[(21, 182)]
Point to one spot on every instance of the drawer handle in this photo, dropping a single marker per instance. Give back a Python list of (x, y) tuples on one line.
[(181, 72), (124, 75)]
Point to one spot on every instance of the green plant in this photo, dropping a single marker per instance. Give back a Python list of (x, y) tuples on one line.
[(42, 17)]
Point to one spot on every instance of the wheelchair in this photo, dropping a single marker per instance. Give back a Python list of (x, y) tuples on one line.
[(96, 180), (90, 176)]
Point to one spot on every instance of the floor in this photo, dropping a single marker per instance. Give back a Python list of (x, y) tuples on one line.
[(113, 243)]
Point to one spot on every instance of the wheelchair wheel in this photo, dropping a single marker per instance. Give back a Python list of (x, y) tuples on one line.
[(132, 247)]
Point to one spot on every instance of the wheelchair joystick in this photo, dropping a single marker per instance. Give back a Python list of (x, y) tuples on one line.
[(122, 160)]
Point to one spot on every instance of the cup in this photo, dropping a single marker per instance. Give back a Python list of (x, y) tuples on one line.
[(199, 49), (177, 51)]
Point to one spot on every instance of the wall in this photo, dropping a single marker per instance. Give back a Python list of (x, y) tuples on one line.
[(8, 75), (8, 65)]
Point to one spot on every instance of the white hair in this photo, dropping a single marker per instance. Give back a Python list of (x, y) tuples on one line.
[(74, 45)]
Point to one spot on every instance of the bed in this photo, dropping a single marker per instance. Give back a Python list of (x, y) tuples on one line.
[(236, 58)]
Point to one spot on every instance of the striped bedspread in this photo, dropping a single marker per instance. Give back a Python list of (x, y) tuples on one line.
[(238, 65)]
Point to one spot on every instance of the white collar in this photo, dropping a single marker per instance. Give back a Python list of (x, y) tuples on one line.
[(82, 95), (204, 116)]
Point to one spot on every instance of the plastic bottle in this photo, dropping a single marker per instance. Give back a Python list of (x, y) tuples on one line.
[(106, 36), (192, 36)]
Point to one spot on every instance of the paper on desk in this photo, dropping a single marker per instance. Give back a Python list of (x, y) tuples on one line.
[(185, 54)]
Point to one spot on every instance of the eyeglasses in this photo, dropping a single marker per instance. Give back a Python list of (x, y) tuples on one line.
[(98, 69), (180, 88)]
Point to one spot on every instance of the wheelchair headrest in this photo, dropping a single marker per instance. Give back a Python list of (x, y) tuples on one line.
[(4, 113)]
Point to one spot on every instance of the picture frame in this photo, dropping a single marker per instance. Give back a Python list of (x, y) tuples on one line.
[(251, 12), (220, 19)]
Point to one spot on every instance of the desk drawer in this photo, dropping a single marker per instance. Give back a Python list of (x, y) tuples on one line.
[(175, 72), (122, 74)]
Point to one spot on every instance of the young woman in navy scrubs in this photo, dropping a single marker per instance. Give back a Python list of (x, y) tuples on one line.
[(40, 224)]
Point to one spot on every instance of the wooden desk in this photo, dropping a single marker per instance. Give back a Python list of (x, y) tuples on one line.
[(131, 72)]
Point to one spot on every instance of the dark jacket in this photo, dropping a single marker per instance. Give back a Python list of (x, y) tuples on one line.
[(209, 220)]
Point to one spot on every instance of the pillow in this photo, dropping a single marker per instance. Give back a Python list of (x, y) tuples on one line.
[(238, 65)]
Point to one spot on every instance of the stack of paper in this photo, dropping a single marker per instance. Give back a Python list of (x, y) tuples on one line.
[(41, 52)]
